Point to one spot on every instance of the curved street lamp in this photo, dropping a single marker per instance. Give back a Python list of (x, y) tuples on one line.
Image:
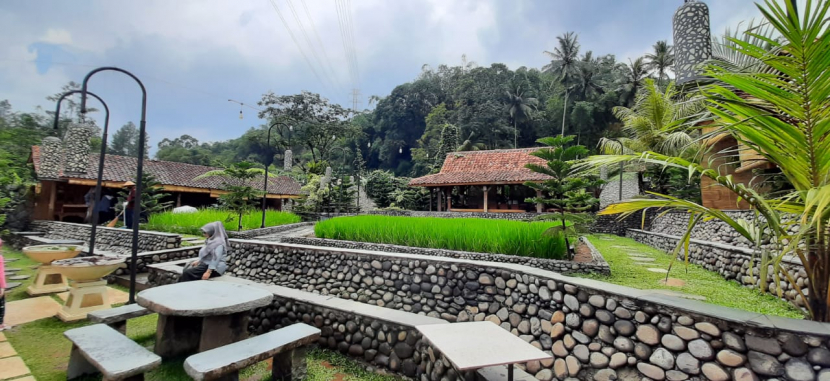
[(139, 167), (101, 156), (268, 164)]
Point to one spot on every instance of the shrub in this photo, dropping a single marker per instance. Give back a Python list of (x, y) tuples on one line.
[(190, 223), (466, 234)]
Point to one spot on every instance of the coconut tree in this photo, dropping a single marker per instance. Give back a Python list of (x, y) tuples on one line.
[(564, 58), (661, 59), (633, 75), (785, 117), (520, 108)]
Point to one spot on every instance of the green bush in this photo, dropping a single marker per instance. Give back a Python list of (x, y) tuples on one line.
[(190, 223), (466, 234)]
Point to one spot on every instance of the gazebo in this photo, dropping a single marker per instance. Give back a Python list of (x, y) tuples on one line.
[(485, 181)]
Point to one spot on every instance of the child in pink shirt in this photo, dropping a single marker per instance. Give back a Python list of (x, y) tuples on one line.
[(2, 289)]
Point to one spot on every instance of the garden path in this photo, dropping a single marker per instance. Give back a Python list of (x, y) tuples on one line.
[(11, 365), (302, 231)]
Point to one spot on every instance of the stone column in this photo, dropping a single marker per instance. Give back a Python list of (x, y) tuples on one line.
[(539, 206), (449, 198), (485, 189), (438, 198)]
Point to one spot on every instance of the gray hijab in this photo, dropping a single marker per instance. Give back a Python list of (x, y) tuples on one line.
[(218, 236)]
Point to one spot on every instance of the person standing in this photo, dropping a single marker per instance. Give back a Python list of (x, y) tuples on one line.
[(128, 211), (104, 209), (3, 326)]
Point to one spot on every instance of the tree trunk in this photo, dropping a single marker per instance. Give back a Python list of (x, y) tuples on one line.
[(820, 280)]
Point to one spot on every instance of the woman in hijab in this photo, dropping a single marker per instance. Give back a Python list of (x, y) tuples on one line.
[(211, 262)]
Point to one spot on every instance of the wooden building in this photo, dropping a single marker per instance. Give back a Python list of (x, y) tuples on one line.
[(484, 181), (61, 197)]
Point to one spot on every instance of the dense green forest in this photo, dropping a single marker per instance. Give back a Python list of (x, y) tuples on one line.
[(444, 109)]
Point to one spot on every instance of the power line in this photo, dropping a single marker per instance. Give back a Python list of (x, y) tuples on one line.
[(293, 38), (354, 48), (320, 43), (341, 22), (311, 46)]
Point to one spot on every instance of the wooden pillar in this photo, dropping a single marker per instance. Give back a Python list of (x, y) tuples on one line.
[(438, 199), (449, 198), (430, 198), (179, 200), (53, 190), (539, 205), (485, 189)]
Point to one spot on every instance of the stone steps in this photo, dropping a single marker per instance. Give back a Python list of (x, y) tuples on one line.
[(141, 282)]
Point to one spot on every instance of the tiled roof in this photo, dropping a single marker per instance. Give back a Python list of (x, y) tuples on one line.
[(505, 166), (122, 168)]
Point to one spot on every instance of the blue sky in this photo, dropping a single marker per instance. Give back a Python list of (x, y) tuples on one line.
[(195, 55)]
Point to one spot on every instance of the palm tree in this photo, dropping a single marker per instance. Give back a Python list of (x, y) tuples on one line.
[(520, 109), (585, 80), (471, 145), (783, 117), (633, 75), (656, 122), (661, 60), (564, 58)]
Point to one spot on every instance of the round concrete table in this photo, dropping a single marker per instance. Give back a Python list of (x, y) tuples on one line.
[(201, 315)]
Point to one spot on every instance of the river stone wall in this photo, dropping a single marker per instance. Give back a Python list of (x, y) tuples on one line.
[(247, 234), (108, 239), (595, 330), (731, 262), (598, 265)]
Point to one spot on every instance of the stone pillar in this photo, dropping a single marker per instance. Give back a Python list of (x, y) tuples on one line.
[(539, 205), (485, 189), (438, 198), (50, 158), (429, 191), (76, 149), (692, 40), (449, 198), (287, 162)]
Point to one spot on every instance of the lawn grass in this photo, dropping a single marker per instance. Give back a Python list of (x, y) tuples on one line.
[(465, 234), (190, 223), (699, 281), (25, 265)]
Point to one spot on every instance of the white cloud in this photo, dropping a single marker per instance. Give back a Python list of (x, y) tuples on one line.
[(57, 37)]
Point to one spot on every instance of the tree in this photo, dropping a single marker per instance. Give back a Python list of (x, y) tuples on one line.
[(564, 190), (152, 196), (520, 109), (783, 117), (586, 81), (241, 196), (449, 143), (661, 60), (564, 58), (125, 141), (470, 144), (633, 75)]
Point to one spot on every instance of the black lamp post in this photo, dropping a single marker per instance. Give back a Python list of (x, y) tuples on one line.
[(100, 160), (139, 167), (267, 164)]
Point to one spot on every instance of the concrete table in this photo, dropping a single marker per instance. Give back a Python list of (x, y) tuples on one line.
[(201, 315), (476, 345)]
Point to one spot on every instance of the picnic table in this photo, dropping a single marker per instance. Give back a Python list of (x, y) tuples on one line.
[(476, 345), (201, 315)]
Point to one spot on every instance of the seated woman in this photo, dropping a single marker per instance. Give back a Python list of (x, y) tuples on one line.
[(211, 262)]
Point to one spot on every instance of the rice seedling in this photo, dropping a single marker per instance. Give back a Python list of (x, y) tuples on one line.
[(190, 223), (465, 234)]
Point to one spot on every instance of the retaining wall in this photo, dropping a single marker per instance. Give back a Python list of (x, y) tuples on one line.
[(597, 265), (108, 239), (593, 329), (247, 234), (731, 262), (675, 223)]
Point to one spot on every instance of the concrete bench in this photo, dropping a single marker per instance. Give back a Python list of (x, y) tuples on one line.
[(224, 363), (99, 348), (49, 241), (117, 317)]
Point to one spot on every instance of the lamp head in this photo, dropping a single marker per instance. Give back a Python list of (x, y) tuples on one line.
[(240, 114)]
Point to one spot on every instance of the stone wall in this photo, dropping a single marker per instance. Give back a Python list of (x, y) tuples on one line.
[(613, 224), (595, 330), (611, 190), (598, 265), (731, 262), (108, 239), (248, 234)]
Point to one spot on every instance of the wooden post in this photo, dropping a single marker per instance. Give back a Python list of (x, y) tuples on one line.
[(449, 198), (485, 189), (179, 200), (430, 198), (438, 199), (539, 205), (53, 190)]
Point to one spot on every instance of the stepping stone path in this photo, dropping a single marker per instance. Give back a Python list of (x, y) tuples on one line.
[(19, 277), (643, 259), (623, 247), (673, 282), (12, 269), (659, 271), (7, 260), (11, 365), (11, 285), (34, 266)]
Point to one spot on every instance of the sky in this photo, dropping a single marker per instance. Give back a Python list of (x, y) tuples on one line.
[(192, 56)]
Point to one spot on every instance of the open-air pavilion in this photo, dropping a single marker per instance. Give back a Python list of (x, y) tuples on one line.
[(484, 181)]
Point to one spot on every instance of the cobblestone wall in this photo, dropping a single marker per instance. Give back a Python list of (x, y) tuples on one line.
[(248, 234), (731, 262), (594, 329), (598, 265), (108, 239)]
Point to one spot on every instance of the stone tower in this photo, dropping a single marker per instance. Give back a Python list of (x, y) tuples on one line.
[(51, 156), (692, 40), (76, 149)]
